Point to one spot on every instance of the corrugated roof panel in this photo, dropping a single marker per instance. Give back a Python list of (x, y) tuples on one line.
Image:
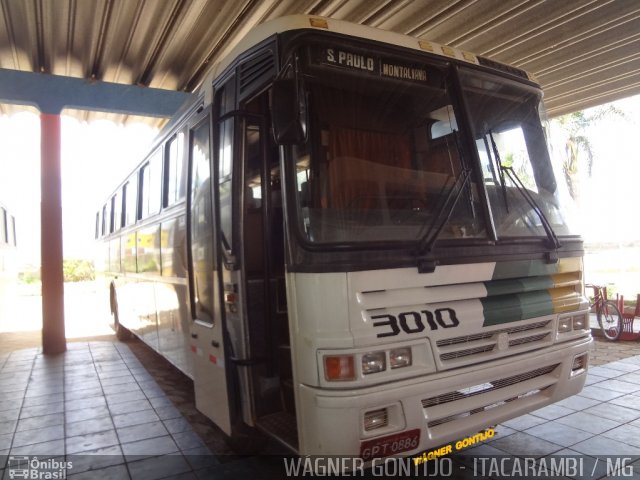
[(171, 43)]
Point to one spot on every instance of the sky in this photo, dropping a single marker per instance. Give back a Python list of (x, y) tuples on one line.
[(97, 156)]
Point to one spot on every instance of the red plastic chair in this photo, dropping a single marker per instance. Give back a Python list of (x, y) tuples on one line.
[(628, 319)]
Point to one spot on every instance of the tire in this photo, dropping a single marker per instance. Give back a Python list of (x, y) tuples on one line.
[(610, 321), (122, 333)]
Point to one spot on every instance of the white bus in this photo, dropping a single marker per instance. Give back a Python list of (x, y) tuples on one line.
[(352, 240)]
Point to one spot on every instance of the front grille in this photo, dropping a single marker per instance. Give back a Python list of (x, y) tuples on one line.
[(486, 408), (471, 348), (486, 387)]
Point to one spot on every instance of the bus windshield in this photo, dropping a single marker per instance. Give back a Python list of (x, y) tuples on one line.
[(512, 147), (382, 158)]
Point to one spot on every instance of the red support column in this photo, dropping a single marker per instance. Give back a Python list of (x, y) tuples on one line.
[(53, 334)]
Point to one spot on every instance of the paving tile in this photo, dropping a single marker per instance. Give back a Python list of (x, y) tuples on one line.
[(159, 402), (31, 423), (141, 432), (187, 440), (524, 444), (9, 415), (41, 410), (622, 365), (524, 421), (559, 433), (604, 371), (82, 403), (600, 445), (125, 397), (86, 414), (7, 405), (109, 473), (201, 457), (577, 402), (12, 396), (121, 388), (96, 459), (47, 449), (158, 467), (630, 377), (8, 427), (551, 412), (81, 386), (598, 393), (628, 401), (129, 407), (150, 447), (84, 393), (166, 413), (177, 425), (5, 441), (91, 441), (136, 418), (625, 433), (38, 435), (121, 372), (93, 425), (588, 422), (118, 380), (616, 385), (614, 412), (36, 390), (42, 400)]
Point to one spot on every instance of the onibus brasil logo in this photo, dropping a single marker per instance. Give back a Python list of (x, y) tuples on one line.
[(32, 468)]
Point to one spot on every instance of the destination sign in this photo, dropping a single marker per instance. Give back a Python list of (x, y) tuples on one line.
[(375, 65)]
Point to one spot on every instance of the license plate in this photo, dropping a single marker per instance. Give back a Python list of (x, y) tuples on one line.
[(390, 445)]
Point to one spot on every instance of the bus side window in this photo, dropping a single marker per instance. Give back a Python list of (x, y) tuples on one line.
[(174, 170), (129, 193), (151, 185), (103, 226), (97, 232)]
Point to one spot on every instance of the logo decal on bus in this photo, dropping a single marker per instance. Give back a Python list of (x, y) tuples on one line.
[(414, 322)]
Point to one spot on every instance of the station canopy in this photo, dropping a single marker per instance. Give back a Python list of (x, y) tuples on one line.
[(584, 52)]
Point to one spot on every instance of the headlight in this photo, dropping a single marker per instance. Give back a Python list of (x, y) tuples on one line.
[(579, 322), (400, 357), (374, 362), (564, 325)]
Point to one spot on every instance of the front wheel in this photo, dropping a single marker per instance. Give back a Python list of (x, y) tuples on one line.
[(610, 321)]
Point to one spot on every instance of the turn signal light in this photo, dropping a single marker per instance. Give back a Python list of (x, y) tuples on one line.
[(339, 367)]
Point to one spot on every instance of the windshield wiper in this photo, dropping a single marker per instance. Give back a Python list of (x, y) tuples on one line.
[(552, 238), (425, 244)]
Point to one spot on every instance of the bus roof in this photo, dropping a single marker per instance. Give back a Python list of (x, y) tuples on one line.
[(311, 22)]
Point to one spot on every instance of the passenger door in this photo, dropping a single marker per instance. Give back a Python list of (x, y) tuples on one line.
[(207, 326)]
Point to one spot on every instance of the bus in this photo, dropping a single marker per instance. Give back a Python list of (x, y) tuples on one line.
[(353, 241)]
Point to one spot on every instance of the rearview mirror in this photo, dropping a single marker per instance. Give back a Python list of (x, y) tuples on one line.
[(288, 127)]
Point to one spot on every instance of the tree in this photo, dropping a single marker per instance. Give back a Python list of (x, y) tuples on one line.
[(576, 125)]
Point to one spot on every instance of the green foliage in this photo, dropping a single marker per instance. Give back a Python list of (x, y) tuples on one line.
[(78, 270)]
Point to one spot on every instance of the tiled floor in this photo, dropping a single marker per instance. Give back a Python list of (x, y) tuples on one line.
[(98, 407)]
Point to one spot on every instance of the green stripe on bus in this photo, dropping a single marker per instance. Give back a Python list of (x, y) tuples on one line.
[(512, 308), (523, 268), (519, 285)]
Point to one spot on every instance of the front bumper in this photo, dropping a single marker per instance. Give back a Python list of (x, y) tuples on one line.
[(445, 406)]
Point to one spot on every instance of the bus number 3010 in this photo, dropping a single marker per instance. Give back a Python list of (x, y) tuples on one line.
[(414, 322)]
